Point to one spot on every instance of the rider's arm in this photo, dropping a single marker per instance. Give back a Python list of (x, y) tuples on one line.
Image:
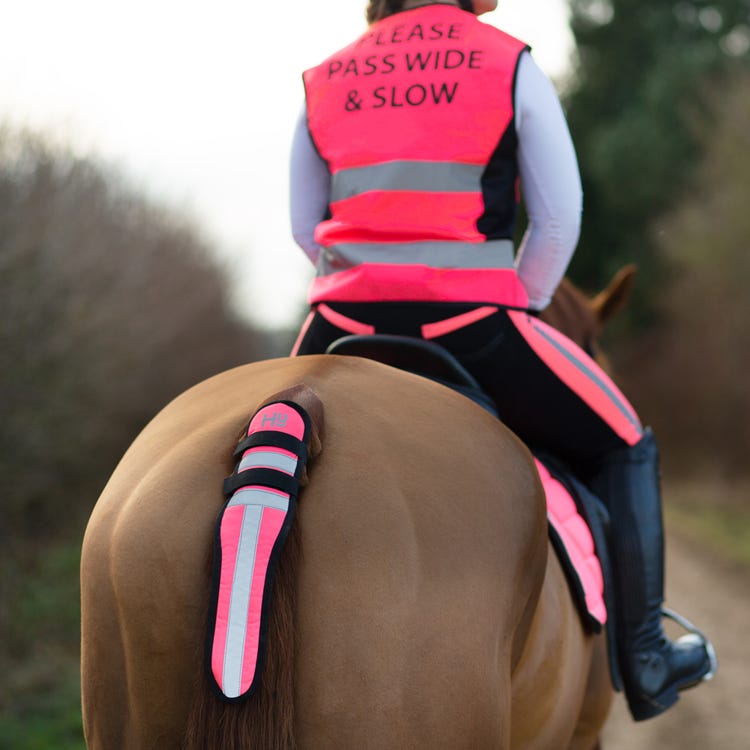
[(550, 183), (309, 189)]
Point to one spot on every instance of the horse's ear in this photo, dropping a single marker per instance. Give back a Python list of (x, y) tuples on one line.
[(611, 300)]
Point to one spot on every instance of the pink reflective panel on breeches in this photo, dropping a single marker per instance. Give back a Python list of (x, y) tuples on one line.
[(581, 374)]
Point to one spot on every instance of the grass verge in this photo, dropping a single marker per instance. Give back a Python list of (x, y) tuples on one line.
[(715, 514), (40, 706)]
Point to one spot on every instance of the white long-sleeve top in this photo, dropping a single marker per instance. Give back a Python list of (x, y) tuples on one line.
[(550, 184)]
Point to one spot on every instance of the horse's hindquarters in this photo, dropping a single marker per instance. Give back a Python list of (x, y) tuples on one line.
[(145, 581), (423, 544)]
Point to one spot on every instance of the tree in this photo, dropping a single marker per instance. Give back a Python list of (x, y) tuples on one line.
[(692, 369), (110, 305), (633, 105)]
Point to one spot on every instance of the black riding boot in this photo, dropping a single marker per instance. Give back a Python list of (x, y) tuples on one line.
[(654, 668)]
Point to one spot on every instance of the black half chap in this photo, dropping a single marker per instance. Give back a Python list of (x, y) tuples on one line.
[(532, 399)]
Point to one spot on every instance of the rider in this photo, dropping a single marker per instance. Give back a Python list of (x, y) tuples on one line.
[(404, 185)]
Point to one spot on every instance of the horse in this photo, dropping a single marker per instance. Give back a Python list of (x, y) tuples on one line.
[(417, 602)]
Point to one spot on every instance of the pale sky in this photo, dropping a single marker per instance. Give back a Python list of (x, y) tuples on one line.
[(196, 101)]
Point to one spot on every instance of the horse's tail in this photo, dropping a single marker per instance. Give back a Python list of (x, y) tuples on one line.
[(265, 720)]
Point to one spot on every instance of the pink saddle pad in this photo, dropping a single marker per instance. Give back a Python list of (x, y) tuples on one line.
[(578, 543)]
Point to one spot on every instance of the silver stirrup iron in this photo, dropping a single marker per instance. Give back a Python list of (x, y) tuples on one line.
[(700, 637)]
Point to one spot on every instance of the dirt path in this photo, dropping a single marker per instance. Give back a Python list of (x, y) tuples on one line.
[(715, 715)]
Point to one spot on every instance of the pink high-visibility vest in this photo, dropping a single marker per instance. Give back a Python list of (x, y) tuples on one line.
[(415, 120)]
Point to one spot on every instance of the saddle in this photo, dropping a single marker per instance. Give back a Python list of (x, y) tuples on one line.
[(578, 520)]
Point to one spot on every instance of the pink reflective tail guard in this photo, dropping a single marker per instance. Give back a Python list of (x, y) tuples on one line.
[(250, 534)]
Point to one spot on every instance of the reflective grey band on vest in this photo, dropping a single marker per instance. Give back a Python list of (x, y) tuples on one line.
[(490, 254), (422, 176)]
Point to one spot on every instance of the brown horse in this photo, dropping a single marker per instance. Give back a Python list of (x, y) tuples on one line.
[(417, 603)]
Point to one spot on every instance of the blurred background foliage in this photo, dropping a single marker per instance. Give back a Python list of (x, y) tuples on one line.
[(111, 304), (689, 370), (658, 109), (639, 116)]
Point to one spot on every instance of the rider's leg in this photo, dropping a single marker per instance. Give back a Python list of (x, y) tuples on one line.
[(571, 406), (654, 669)]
